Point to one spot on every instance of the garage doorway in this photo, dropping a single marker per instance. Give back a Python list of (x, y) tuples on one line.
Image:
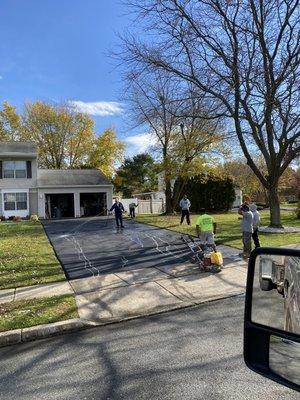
[(59, 205), (92, 204)]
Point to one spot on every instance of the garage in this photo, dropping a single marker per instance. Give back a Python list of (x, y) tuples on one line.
[(72, 193), (59, 205), (92, 204)]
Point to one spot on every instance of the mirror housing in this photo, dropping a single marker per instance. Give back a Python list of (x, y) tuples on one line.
[(258, 338)]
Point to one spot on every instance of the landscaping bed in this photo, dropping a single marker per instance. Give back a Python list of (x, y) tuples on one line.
[(26, 256), (26, 313), (229, 227)]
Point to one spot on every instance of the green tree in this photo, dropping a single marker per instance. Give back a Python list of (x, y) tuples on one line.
[(242, 175), (136, 174), (106, 153), (63, 136), (10, 123)]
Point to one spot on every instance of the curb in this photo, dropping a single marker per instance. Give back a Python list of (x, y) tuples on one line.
[(37, 332), (43, 331)]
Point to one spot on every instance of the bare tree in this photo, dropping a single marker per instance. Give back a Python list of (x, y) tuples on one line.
[(173, 115), (244, 55), (149, 98)]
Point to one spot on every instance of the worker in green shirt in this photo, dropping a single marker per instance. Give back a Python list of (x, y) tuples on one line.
[(206, 228)]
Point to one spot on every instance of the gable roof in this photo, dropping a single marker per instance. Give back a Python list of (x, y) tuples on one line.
[(70, 177), (18, 149)]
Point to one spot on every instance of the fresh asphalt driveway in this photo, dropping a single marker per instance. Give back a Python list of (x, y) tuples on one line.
[(90, 247)]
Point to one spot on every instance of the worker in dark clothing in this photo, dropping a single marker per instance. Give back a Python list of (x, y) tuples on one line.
[(118, 209), (132, 207)]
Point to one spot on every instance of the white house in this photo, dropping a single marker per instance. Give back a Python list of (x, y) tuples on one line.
[(27, 190)]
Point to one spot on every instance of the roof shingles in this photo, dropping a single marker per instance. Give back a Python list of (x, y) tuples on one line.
[(71, 177), (18, 148)]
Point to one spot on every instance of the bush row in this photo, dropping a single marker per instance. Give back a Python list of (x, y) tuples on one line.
[(210, 192)]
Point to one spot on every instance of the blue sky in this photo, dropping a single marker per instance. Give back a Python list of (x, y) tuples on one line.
[(57, 50)]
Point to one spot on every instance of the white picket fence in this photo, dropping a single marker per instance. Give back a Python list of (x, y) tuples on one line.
[(145, 206), (150, 207)]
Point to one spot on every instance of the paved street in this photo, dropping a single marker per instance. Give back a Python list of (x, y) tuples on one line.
[(87, 247), (193, 353)]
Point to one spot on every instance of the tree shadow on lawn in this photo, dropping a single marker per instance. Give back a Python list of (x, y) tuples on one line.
[(36, 311), (25, 277)]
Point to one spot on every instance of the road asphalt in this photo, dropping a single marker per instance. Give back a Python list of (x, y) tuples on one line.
[(193, 353)]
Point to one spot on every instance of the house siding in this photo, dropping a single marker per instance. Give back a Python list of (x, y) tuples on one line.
[(33, 201), (21, 183)]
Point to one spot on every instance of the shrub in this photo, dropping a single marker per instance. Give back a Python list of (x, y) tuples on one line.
[(2, 218), (210, 192), (17, 219), (261, 205), (34, 218)]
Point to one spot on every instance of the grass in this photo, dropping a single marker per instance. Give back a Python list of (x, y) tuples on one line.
[(228, 227), (288, 205), (26, 313), (26, 256)]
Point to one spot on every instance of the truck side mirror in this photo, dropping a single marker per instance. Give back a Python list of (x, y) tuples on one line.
[(272, 315)]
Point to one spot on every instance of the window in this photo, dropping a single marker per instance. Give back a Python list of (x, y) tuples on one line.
[(14, 169), (9, 201), (15, 201), (21, 201)]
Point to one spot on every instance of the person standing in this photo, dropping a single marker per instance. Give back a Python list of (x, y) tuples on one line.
[(256, 223), (132, 207), (247, 229), (185, 205), (118, 209), (206, 228)]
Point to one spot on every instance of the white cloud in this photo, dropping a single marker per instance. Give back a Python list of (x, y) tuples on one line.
[(98, 108), (1, 77), (139, 143)]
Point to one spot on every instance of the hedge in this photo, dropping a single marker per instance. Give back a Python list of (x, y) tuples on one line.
[(210, 192)]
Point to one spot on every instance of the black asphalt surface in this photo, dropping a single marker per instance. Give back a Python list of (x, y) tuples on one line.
[(191, 354), (88, 247)]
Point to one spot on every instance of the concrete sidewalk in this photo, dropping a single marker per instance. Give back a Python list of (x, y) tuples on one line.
[(162, 293)]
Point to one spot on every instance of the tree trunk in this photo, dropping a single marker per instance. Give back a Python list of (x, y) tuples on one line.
[(169, 203), (177, 194), (275, 220)]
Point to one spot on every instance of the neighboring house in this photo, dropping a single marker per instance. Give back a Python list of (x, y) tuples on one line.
[(27, 190)]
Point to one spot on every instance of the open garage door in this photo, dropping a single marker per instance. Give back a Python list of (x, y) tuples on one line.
[(59, 205), (92, 204)]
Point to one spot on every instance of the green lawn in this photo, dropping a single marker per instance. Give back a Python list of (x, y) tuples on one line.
[(26, 313), (228, 228), (26, 256), (288, 205)]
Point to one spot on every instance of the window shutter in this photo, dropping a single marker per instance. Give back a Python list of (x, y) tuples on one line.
[(1, 174), (29, 170)]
